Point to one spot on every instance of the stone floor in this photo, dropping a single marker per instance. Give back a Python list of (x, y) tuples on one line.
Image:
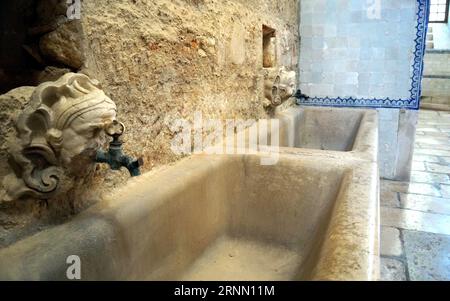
[(415, 216)]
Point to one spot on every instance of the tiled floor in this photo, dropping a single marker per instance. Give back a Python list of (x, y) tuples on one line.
[(415, 216)]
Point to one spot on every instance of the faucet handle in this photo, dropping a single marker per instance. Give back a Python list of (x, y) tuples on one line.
[(115, 129)]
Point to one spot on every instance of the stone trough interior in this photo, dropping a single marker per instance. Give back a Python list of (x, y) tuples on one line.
[(328, 129), (261, 215), (322, 128), (218, 218)]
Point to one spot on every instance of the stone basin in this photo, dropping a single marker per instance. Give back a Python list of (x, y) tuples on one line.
[(220, 217), (354, 131)]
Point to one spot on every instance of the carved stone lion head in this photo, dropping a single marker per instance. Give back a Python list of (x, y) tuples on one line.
[(62, 120), (280, 86), (283, 87)]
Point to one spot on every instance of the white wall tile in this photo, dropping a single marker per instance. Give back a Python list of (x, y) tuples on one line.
[(344, 42)]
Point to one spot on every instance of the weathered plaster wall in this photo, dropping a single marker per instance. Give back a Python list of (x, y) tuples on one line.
[(158, 60), (161, 60)]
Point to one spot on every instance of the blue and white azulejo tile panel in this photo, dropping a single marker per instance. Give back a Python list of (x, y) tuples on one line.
[(362, 53)]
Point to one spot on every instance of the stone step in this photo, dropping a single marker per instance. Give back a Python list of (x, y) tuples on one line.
[(438, 101)]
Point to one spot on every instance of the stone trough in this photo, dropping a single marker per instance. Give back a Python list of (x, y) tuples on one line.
[(311, 216)]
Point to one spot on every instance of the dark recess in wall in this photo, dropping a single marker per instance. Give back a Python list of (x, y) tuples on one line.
[(269, 55), (17, 66)]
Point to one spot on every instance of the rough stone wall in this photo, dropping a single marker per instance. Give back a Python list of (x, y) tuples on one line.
[(161, 60), (158, 60)]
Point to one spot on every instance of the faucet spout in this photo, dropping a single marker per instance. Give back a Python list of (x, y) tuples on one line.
[(114, 156)]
